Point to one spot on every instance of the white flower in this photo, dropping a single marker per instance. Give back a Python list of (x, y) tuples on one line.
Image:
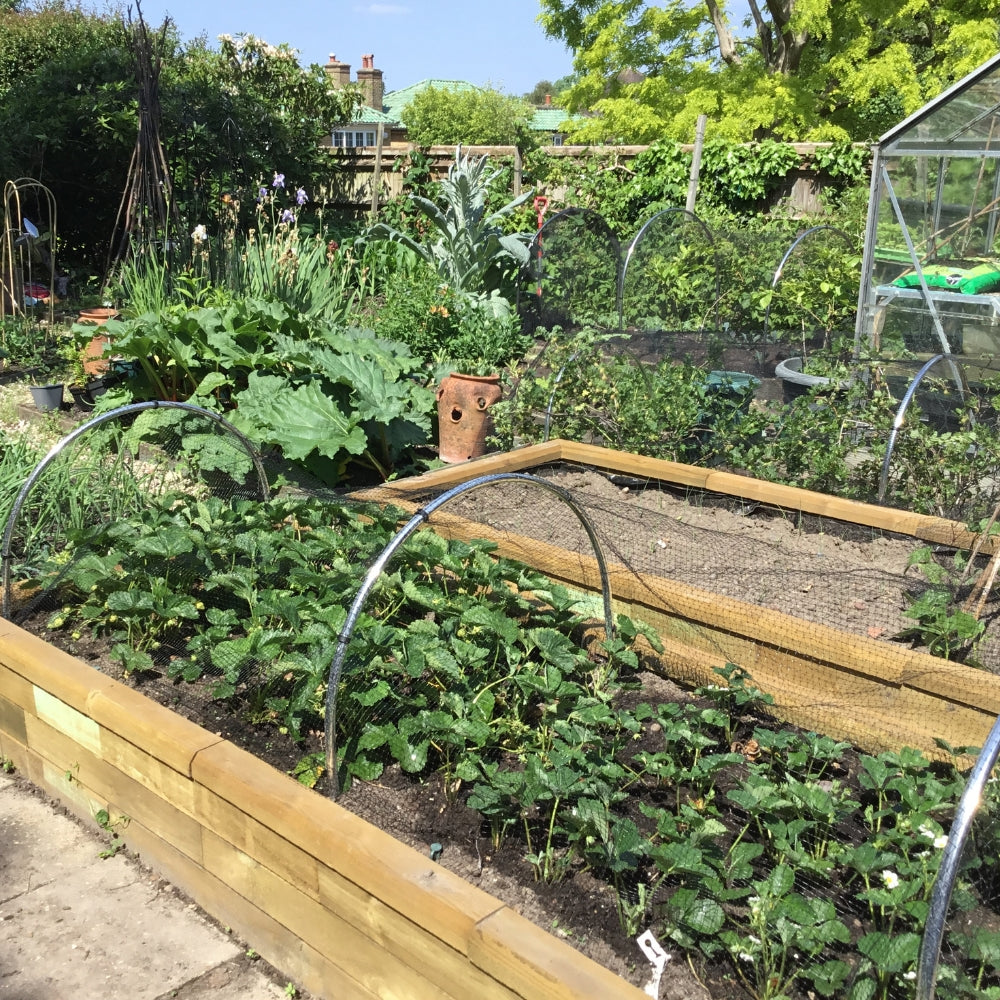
[(940, 843), (744, 957), (910, 975), (925, 831), (199, 234), (890, 878)]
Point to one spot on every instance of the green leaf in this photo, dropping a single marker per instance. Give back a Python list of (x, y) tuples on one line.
[(301, 421)]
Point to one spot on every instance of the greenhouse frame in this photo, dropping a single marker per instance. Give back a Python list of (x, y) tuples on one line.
[(930, 279)]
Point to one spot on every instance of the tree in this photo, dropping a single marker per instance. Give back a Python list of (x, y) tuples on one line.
[(442, 116), (793, 69), (232, 116), (539, 92), (238, 114)]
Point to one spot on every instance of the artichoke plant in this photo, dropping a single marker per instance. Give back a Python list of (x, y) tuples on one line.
[(467, 247)]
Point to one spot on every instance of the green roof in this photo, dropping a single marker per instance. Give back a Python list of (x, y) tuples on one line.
[(549, 119), (396, 100), (369, 116)]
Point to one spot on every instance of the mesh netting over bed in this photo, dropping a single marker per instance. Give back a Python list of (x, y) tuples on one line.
[(765, 778)]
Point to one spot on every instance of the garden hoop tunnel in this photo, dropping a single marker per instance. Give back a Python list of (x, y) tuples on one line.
[(116, 414), (948, 869), (954, 363), (380, 563)]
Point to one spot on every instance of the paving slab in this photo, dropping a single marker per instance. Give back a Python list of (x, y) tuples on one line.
[(75, 926)]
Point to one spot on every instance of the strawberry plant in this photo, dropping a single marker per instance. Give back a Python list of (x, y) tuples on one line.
[(774, 852)]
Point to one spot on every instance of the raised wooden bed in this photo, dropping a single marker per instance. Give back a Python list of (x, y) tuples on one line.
[(334, 903), (342, 907), (877, 694)]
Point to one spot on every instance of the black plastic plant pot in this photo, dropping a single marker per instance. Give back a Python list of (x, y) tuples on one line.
[(47, 397), (795, 382)]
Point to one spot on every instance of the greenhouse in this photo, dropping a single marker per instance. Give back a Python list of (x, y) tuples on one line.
[(930, 271)]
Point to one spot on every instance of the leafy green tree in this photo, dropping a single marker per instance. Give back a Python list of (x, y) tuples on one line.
[(538, 93), (237, 115), (793, 69), (67, 116), (232, 117), (441, 116)]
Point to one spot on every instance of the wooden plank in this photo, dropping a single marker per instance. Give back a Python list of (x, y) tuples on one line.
[(50, 668), (446, 905), (73, 766), (449, 970), (790, 498), (12, 719), (519, 460), (159, 731), (14, 750), (347, 946), (295, 862), (538, 966), (159, 798), (15, 687)]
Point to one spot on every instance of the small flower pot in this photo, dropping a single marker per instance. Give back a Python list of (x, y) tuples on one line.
[(47, 397)]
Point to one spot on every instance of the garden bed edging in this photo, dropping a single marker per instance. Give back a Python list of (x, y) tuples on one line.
[(336, 904)]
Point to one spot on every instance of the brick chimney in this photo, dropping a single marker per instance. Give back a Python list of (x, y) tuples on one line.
[(338, 72), (548, 100), (370, 82)]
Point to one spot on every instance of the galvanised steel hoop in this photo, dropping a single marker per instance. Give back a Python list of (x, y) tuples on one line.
[(944, 883), (638, 241), (897, 423), (784, 260), (376, 568), (103, 418)]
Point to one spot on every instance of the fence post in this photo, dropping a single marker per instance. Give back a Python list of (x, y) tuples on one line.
[(699, 141)]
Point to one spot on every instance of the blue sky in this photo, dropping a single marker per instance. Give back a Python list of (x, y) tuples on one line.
[(498, 43)]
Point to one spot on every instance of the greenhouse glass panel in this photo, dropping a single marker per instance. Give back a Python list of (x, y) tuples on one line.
[(931, 267)]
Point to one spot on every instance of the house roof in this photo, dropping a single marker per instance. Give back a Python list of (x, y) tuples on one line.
[(370, 116), (548, 119), (394, 102), (552, 120)]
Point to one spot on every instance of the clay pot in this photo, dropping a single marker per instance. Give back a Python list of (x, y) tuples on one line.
[(93, 354), (94, 363), (97, 315), (463, 415)]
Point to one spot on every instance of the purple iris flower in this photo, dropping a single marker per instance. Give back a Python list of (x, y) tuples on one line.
[(300, 196), (262, 194), (279, 180), (288, 216)]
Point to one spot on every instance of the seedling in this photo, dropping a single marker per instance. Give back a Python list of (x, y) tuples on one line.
[(113, 828)]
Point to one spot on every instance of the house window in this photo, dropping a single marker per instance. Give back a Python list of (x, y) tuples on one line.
[(351, 140), (557, 139)]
